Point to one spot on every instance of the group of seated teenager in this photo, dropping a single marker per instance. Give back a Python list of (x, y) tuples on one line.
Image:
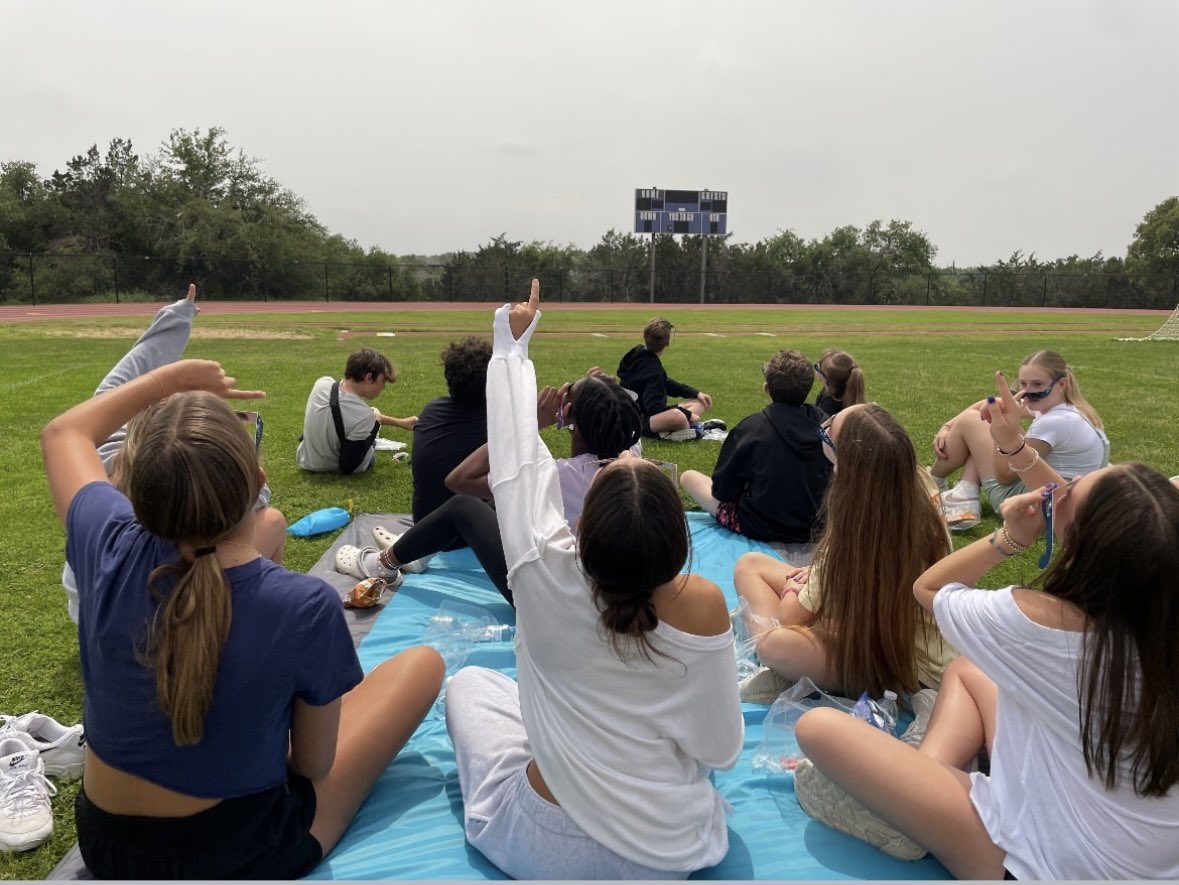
[(232, 734)]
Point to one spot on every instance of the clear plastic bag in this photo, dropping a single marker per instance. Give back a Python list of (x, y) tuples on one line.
[(778, 752), (453, 629)]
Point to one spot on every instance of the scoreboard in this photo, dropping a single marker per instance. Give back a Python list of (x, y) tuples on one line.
[(681, 212)]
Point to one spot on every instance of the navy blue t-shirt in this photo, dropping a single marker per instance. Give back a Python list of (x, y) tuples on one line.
[(288, 640)]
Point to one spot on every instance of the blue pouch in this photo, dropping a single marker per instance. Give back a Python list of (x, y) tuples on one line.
[(327, 520)]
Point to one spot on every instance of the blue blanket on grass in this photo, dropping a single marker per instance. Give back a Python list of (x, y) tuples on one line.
[(411, 825)]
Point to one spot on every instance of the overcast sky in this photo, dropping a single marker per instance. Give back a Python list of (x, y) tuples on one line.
[(426, 127)]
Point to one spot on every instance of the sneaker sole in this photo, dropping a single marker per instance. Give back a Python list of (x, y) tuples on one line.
[(678, 435), (825, 801), (26, 841), (69, 772)]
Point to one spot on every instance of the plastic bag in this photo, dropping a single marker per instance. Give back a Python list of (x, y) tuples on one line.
[(779, 752), (876, 713), (327, 520), (451, 632)]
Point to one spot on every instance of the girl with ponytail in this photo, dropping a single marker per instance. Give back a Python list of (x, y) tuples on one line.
[(218, 685), (595, 764), (843, 381)]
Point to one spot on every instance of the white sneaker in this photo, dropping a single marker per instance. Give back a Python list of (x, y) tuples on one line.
[(61, 747), (26, 817), (826, 801), (386, 539), (763, 687), (922, 702), (683, 435)]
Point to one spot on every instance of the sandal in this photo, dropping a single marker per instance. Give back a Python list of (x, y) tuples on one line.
[(386, 539), (350, 561)]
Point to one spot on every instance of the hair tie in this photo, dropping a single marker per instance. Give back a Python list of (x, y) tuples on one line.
[(203, 551)]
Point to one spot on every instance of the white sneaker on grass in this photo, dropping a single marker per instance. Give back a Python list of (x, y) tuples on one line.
[(26, 816), (61, 747), (826, 801)]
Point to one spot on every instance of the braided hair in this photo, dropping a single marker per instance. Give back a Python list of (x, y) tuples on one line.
[(605, 415)]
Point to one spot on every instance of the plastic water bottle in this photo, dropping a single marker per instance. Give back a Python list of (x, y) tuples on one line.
[(888, 706)]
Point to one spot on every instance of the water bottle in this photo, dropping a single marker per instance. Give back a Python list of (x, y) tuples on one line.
[(888, 707)]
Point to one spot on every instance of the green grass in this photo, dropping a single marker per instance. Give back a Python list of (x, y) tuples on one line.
[(922, 365)]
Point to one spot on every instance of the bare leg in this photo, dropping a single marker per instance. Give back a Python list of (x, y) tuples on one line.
[(795, 653), (923, 798), (270, 533), (672, 419), (376, 719), (759, 579), (957, 448), (697, 408), (699, 487), (963, 719)]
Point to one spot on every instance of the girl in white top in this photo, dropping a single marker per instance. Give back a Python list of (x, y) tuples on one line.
[(1072, 690), (1065, 430), (596, 764)]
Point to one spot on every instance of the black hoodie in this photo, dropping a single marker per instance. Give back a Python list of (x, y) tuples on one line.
[(641, 371), (773, 466)]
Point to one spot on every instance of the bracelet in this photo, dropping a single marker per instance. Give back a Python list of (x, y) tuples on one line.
[(995, 544), (1022, 442), (786, 590), (1015, 546), (1026, 467)]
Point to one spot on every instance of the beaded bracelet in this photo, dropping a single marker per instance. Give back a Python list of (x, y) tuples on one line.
[(1022, 442), (1011, 542), (1026, 467), (995, 544)]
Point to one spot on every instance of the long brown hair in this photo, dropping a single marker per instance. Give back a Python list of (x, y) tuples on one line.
[(1120, 566), (191, 473), (882, 531), (632, 537), (1053, 363), (845, 379)]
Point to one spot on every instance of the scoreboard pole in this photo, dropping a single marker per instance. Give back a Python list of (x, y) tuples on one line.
[(703, 263), (652, 267)]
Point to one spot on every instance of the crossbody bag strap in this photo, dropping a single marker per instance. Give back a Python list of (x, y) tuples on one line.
[(337, 415)]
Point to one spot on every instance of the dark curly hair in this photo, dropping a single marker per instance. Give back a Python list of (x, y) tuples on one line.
[(464, 365), (632, 537), (789, 377), (606, 416)]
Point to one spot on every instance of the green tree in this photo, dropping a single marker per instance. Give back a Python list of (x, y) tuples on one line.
[(1155, 248)]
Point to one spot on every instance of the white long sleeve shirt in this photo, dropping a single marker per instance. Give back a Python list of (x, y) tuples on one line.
[(625, 747)]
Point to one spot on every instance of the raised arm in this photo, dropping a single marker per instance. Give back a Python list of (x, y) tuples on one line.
[(523, 474), (69, 443), (1015, 453)]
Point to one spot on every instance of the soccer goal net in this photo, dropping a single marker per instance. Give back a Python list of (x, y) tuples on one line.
[(1168, 331)]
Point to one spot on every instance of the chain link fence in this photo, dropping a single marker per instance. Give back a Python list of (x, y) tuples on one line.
[(76, 278)]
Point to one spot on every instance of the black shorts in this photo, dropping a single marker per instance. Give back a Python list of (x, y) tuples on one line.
[(264, 835), (646, 429)]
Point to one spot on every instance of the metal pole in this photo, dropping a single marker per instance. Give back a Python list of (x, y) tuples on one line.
[(652, 267), (115, 272), (389, 268), (326, 297), (32, 281), (703, 264)]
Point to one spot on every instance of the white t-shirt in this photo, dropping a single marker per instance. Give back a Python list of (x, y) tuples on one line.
[(1039, 804), (1077, 446), (624, 746), (320, 448)]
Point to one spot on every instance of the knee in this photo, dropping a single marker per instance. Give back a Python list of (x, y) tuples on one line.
[(427, 664), (816, 728)]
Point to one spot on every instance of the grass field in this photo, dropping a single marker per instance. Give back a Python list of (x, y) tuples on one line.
[(921, 365)]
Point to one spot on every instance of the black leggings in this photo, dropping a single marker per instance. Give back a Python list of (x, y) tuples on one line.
[(463, 521)]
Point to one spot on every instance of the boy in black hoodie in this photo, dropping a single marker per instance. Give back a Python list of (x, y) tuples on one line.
[(642, 371), (771, 472)]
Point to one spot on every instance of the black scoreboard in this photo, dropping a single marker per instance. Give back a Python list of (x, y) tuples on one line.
[(681, 212)]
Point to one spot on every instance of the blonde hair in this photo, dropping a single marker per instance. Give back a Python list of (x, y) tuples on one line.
[(191, 473), (1053, 363), (845, 379), (868, 564)]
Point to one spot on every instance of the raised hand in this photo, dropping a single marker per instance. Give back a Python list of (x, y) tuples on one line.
[(1023, 515), (206, 375), (1003, 412), (548, 403), (522, 314)]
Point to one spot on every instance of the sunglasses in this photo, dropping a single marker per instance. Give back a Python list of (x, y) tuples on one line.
[(825, 436), (253, 418), (819, 371), (1040, 394)]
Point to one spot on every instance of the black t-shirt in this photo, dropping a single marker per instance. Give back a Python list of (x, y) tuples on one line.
[(445, 434)]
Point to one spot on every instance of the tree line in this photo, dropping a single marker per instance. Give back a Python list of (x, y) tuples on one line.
[(115, 222)]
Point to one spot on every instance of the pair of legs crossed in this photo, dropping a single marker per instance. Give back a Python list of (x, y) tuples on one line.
[(760, 580), (678, 417), (923, 792)]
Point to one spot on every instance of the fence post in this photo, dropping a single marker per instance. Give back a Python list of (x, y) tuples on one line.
[(326, 296), (985, 275), (32, 280), (115, 272), (1044, 294), (389, 269), (928, 287), (265, 284)]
